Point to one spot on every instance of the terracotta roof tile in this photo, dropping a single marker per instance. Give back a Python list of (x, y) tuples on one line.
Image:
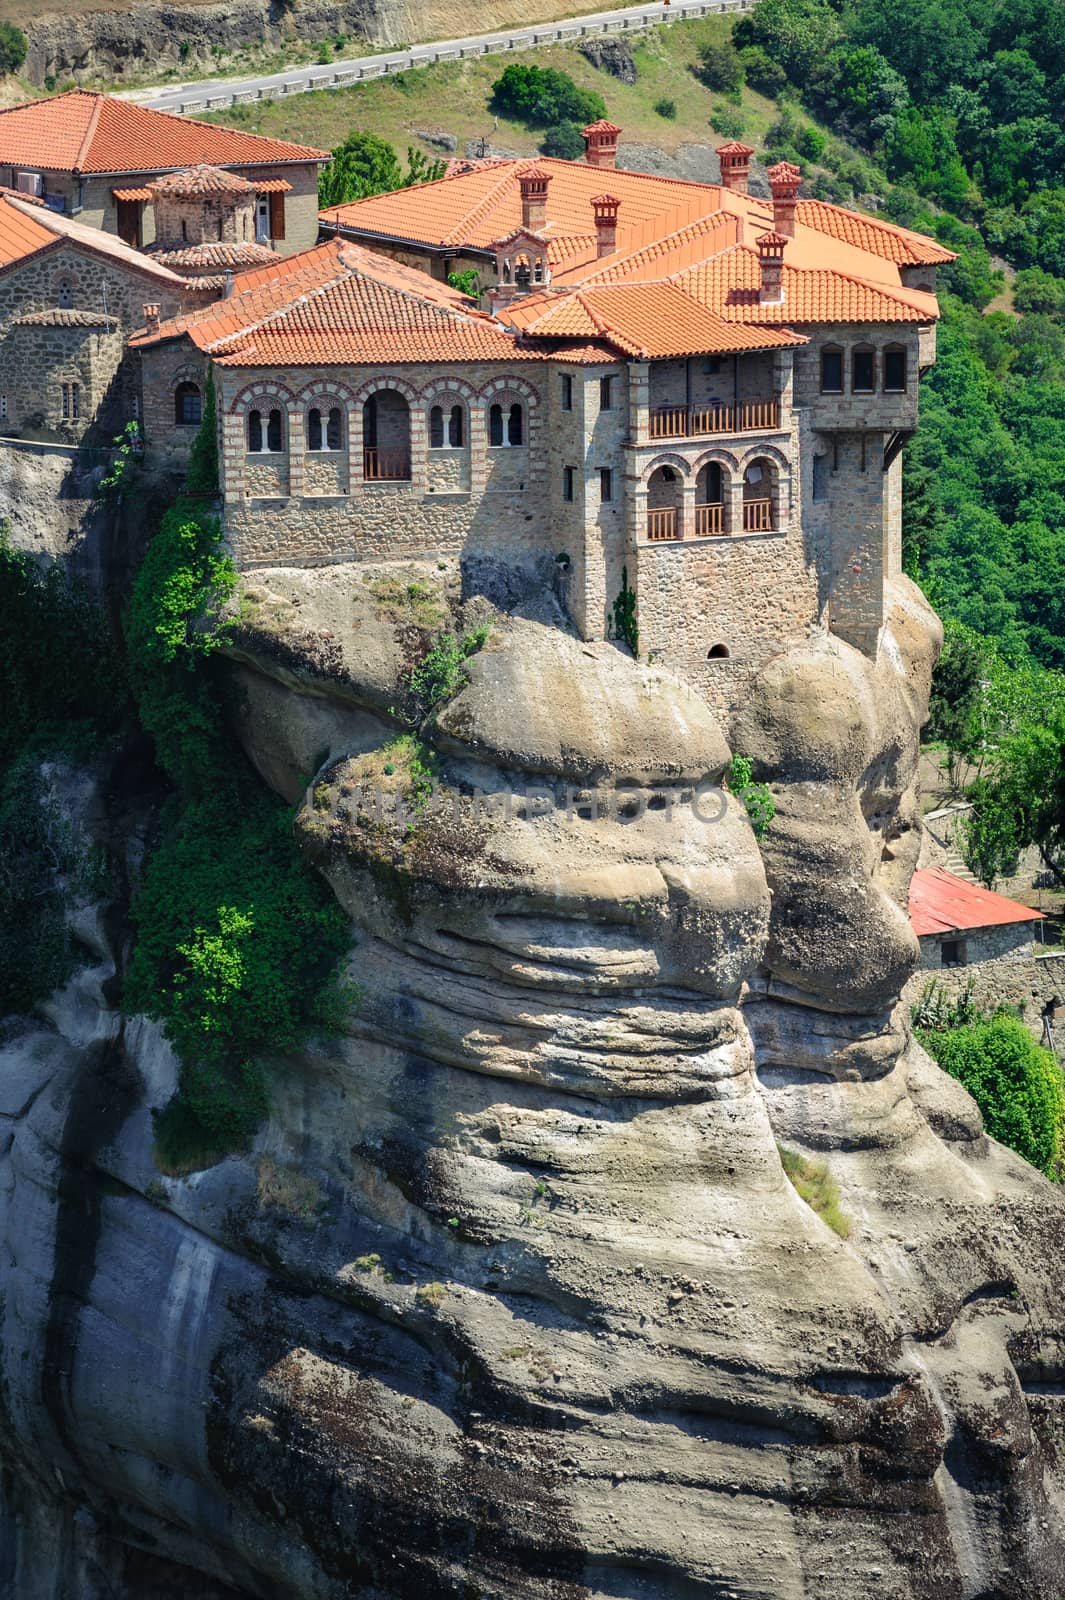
[(213, 257), (65, 317), (341, 303), (729, 283), (646, 321), (83, 131), (942, 903), (201, 179), (25, 229)]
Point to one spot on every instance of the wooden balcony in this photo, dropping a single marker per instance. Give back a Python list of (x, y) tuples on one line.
[(758, 516), (662, 523), (684, 422), (709, 520), (386, 464)]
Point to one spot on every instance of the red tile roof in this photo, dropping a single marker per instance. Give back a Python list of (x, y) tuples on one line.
[(25, 229), (645, 320), (730, 282), (202, 179), (86, 132), (340, 303), (942, 903)]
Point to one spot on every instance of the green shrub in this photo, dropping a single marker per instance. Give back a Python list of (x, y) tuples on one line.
[(667, 109), (728, 122), (1016, 1083), (563, 141), (13, 47), (810, 143), (757, 800), (720, 68), (542, 97), (441, 671), (202, 477), (237, 938), (761, 71)]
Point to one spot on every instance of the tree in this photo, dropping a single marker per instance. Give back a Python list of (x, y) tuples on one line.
[(1014, 87), (542, 97), (1023, 802), (1015, 1082), (955, 701), (721, 68), (364, 165), (860, 92), (13, 47), (563, 141), (795, 33)]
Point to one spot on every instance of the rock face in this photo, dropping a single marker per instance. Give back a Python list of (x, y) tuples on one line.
[(513, 1297), (613, 56)]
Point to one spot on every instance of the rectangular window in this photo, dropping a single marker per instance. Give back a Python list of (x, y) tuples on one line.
[(864, 372), (606, 394), (74, 411), (277, 216), (567, 483), (952, 952), (66, 401), (3, 407), (606, 484), (895, 371), (821, 477), (831, 372), (567, 392)]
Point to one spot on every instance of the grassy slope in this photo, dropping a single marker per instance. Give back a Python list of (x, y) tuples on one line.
[(453, 97)]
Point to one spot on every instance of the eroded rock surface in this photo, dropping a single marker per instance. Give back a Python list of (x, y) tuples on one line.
[(513, 1297)]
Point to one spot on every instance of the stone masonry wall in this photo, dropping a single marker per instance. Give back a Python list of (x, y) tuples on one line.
[(1027, 980)]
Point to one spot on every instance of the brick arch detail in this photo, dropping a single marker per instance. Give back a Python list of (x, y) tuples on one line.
[(724, 458), (188, 373), (66, 274), (248, 399), (667, 460), (510, 386), (445, 386), (385, 381), (766, 452), (325, 389)]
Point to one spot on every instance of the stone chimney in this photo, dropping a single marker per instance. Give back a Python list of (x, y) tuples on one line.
[(784, 180), (151, 318), (601, 143), (771, 247), (735, 161), (533, 184), (605, 210)]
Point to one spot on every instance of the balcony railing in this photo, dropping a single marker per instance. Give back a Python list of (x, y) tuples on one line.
[(758, 516), (386, 464), (685, 422), (709, 519), (662, 523)]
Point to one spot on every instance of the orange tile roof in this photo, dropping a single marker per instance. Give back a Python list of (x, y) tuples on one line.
[(86, 132), (729, 284), (942, 903), (870, 233), (202, 179), (479, 206), (647, 321), (25, 229), (341, 303)]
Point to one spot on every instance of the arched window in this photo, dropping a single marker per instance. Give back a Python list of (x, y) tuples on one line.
[(314, 429), (895, 370), (711, 501), (436, 428), (273, 432), (717, 652), (759, 486), (456, 427), (863, 371), (334, 429), (515, 425), (255, 432), (386, 437), (65, 297), (188, 406), (495, 425)]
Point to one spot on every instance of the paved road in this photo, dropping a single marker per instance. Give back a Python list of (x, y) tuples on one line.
[(218, 93)]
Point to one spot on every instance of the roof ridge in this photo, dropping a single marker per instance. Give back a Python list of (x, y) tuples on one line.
[(90, 132), (489, 200)]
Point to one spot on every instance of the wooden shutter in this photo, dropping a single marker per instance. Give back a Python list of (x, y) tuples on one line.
[(277, 216)]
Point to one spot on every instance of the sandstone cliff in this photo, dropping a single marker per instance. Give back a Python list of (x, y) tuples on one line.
[(513, 1298)]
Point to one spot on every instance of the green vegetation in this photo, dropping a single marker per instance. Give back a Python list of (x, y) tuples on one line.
[(237, 938), (13, 46), (542, 97), (468, 282), (813, 1183), (757, 799), (564, 142), (1017, 1084), (667, 109), (625, 625), (365, 165), (441, 671), (123, 469)]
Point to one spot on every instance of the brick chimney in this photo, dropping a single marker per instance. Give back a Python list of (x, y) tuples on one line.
[(771, 247), (601, 143), (605, 210), (533, 184), (735, 161), (151, 318), (784, 180)]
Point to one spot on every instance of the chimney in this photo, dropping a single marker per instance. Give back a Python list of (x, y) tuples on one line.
[(771, 247), (784, 181), (605, 210), (227, 291), (735, 161), (533, 183), (151, 318), (601, 143)]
